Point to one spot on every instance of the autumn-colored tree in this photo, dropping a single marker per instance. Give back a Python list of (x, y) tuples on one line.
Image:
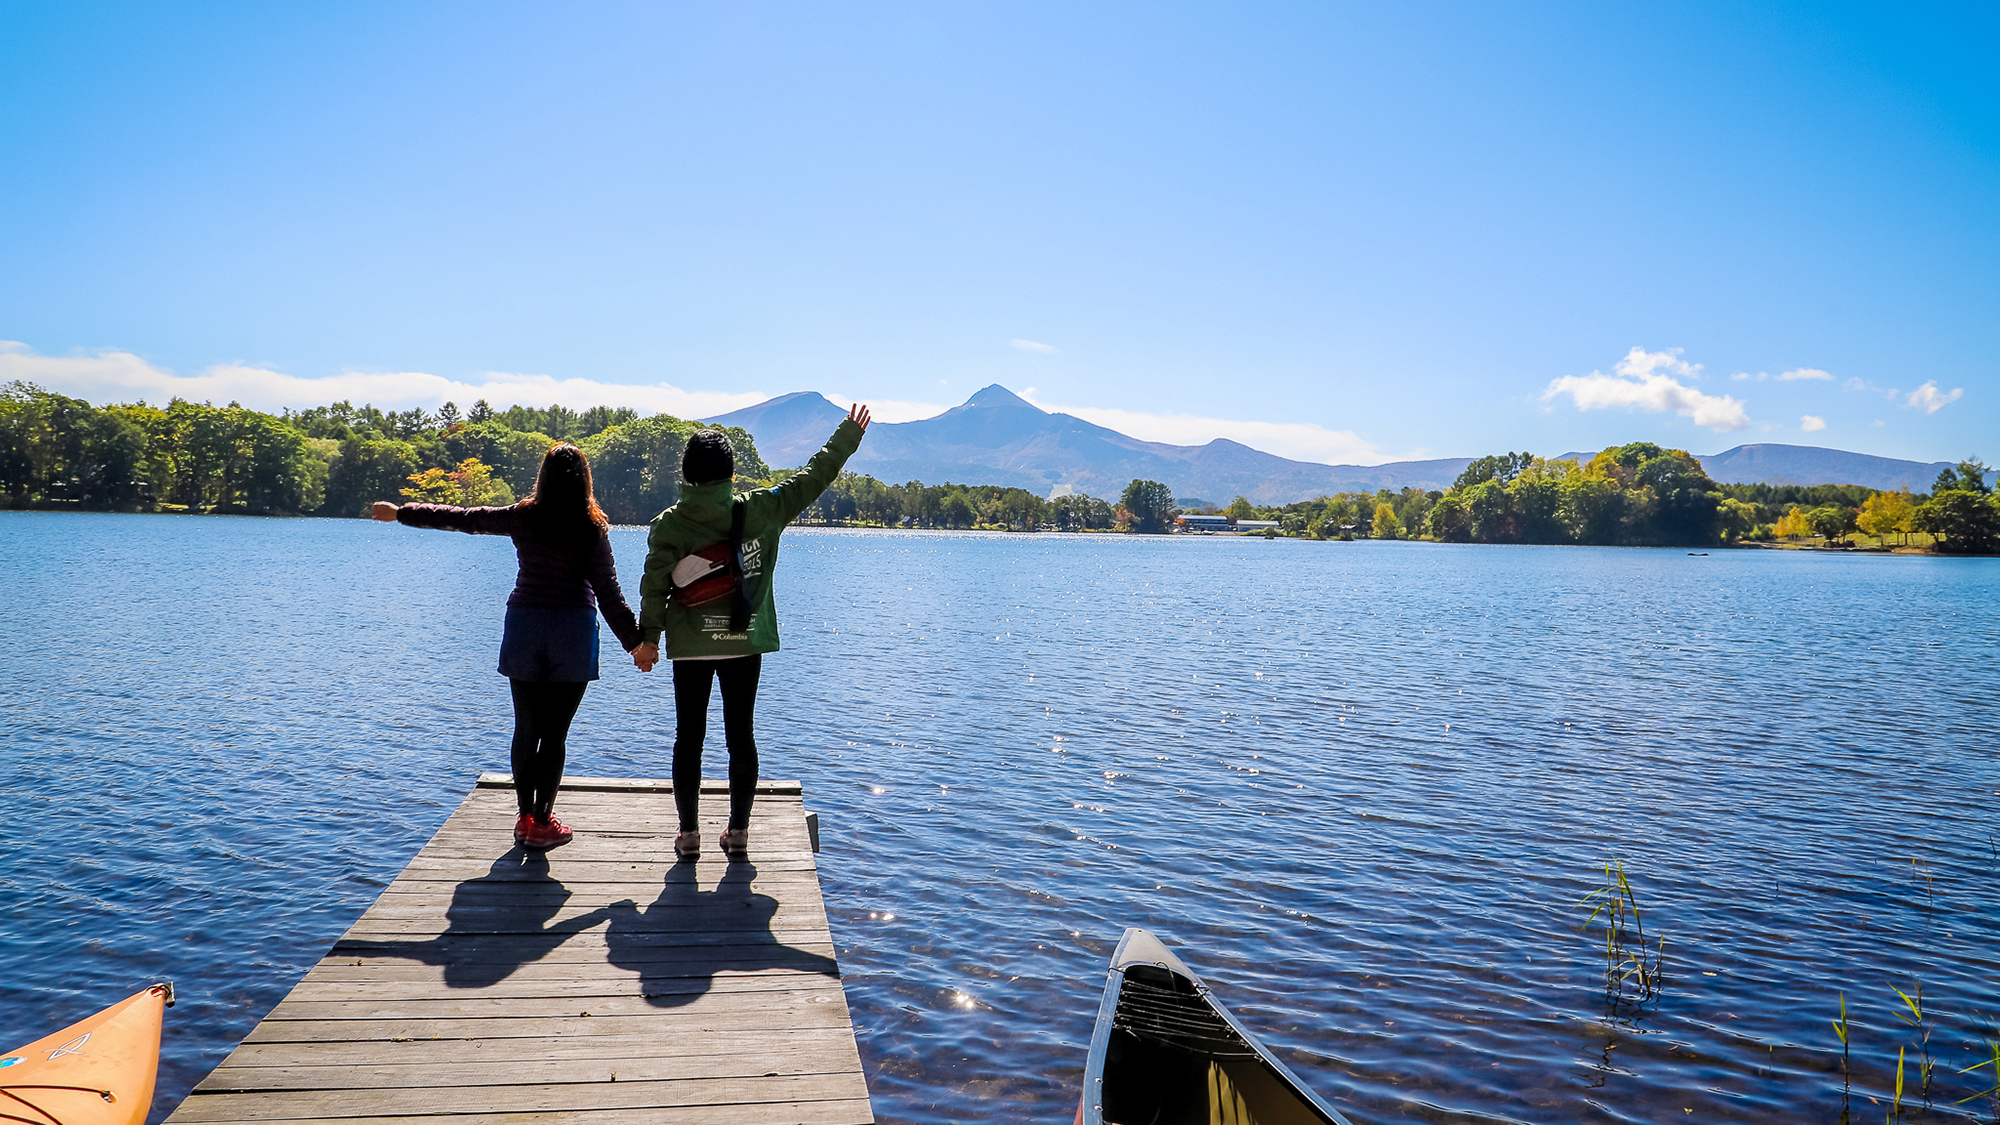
[(1386, 525), (470, 485), (1793, 524), (1885, 512)]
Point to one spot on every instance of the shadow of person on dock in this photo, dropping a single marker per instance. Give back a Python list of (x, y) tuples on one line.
[(494, 925), (678, 944)]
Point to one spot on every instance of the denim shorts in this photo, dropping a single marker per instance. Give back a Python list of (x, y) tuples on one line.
[(549, 645)]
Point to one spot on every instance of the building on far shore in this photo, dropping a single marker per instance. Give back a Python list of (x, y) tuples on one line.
[(1219, 523)]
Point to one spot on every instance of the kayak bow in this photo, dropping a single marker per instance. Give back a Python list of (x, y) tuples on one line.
[(99, 1071)]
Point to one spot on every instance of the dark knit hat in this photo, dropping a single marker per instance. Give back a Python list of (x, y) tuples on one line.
[(708, 458)]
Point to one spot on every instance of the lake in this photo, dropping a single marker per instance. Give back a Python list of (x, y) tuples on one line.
[(1363, 788)]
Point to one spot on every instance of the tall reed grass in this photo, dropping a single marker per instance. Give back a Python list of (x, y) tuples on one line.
[(1632, 970)]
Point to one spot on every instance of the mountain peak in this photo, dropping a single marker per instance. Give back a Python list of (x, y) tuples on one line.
[(789, 428), (995, 395), (795, 396)]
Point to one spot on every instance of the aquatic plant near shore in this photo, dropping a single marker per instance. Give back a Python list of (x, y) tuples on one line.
[(1919, 873), (1840, 1029), (1915, 1013), (1926, 1064), (1627, 960), (1896, 1104), (1994, 1091)]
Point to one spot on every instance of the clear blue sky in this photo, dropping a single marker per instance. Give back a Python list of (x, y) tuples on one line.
[(1372, 231)]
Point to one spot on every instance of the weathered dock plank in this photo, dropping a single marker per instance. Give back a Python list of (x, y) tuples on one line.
[(599, 984)]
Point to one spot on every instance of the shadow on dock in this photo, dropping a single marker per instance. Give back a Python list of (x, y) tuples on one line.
[(638, 939), (511, 917), (494, 925)]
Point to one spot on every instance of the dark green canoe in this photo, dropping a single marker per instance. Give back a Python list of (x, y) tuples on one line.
[(1166, 1052)]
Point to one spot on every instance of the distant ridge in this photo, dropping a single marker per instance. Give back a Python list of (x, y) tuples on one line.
[(1768, 463), (998, 437), (1811, 464)]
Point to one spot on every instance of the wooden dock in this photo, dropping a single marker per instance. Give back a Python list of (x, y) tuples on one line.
[(601, 982)]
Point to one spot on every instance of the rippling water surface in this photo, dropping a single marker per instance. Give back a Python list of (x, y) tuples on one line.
[(1362, 788)]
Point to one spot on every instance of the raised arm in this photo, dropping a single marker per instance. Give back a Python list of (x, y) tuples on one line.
[(804, 487)]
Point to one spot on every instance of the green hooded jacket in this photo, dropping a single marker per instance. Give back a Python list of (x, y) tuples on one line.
[(701, 517)]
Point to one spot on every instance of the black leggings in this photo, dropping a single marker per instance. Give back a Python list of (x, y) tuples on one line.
[(739, 706), (542, 713)]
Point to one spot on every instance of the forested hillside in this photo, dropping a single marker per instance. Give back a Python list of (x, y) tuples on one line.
[(1642, 494), (329, 460)]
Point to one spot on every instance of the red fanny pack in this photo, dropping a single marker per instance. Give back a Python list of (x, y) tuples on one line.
[(716, 572), (706, 575)]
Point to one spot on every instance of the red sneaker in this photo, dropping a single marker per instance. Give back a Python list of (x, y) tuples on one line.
[(523, 825), (547, 832)]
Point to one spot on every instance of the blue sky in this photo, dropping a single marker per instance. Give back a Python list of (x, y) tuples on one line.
[(1345, 233)]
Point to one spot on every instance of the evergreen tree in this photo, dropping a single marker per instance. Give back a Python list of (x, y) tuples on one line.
[(1151, 505)]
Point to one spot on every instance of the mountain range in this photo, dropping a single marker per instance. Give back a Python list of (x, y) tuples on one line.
[(997, 437)]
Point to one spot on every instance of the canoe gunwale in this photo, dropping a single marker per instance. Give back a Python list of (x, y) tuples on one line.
[(1090, 1108)]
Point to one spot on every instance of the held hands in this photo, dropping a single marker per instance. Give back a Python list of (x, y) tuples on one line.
[(644, 656), (859, 415), (382, 510)]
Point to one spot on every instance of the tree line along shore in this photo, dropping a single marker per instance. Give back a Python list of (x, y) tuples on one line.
[(62, 452)]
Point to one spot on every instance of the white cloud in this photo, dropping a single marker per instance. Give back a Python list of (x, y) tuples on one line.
[(1812, 423), (1792, 376), (1645, 381), (117, 376), (1300, 441), (1032, 346), (1931, 399), (1639, 363), (1889, 393)]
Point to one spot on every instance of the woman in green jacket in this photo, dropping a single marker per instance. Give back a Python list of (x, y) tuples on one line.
[(726, 638)]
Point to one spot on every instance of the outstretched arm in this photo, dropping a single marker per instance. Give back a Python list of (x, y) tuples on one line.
[(450, 517)]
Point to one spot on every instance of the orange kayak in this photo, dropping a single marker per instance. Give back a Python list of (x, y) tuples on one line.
[(99, 1071)]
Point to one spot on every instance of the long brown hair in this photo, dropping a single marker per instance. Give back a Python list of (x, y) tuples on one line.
[(564, 501)]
